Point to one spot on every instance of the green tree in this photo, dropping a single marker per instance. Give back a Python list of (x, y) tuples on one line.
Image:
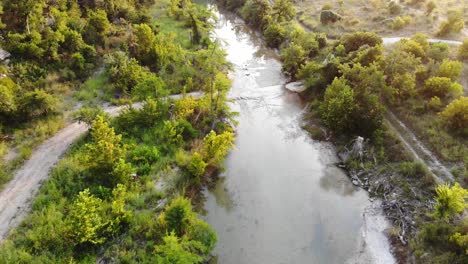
[(283, 10), (85, 219), (438, 86), (274, 34), (104, 153), (178, 216), (402, 87), (172, 251), (98, 26), (201, 232), (255, 11), (354, 41), (38, 103), (216, 147), (451, 201), (197, 166), (293, 58), (456, 113), (338, 107), (450, 69), (7, 93), (144, 41)]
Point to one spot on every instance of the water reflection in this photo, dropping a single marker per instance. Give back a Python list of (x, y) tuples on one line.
[(280, 200)]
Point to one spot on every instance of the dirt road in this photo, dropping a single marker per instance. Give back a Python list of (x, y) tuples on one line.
[(16, 197)]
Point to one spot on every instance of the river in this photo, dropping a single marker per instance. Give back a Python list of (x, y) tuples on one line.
[(281, 199)]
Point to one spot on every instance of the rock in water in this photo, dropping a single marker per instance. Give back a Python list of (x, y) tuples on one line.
[(296, 87)]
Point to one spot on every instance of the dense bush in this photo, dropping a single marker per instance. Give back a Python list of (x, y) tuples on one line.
[(456, 113), (353, 42), (463, 50), (455, 23), (274, 34)]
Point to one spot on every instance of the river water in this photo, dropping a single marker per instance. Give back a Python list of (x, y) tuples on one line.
[(281, 198)]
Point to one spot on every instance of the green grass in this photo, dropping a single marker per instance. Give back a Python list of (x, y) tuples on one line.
[(95, 89), (168, 24)]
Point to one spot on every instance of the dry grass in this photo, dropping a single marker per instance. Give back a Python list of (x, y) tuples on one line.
[(374, 15)]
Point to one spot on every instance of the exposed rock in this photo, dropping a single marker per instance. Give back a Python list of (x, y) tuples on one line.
[(4, 54), (296, 87), (328, 16)]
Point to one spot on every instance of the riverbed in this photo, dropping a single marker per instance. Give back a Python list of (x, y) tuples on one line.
[(281, 198)]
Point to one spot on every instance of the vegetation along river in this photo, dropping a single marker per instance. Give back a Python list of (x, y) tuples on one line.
[(281, 198)]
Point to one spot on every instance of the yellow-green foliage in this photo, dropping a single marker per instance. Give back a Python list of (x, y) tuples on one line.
[(455, 23), (451, 201), (463, 50), (85, 219), (400, 22), (450, 69), (456, 113), (216, 147)]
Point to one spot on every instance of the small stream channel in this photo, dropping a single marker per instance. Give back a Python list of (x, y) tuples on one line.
[(281, 198)]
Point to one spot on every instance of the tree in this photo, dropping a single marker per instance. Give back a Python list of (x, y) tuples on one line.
[(201, 232), (178, 216), (172, 251), (456, 113), (354, 41), (293, 57), (216, 147), (403, 87), (438, 86), (98, 26), (38, 103), (197, 166), (451, 201), (103, 155), (85, 219), (274, 34), (283, 10), (338, 106), (7, 93), (450, 69), (255, 11), (144, 41)]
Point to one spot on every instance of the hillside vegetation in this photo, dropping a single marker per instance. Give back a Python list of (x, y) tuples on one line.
[(123, 192)]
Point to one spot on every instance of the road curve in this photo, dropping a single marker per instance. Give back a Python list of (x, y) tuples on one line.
[(17, 195)]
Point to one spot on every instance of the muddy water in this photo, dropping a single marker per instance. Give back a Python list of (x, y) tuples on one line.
[(281, 199)]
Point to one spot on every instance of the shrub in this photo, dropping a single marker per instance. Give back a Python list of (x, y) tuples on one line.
[(456, 113), (435, 103), (450, 201), (327, 6), (438, 51), (437, 86), (398, 23), (338, 106), (450, 69), (413, 169), (293, 57), (394, 8), (430, 6), (255, 11), (463, 50), (354, 41), (274, 34), (455, 23)]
